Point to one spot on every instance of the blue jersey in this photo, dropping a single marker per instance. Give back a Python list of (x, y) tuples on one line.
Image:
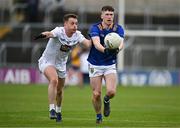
[(95, 56)]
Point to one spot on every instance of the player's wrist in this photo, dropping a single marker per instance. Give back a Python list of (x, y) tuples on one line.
[(111, 51), (106, 50), (40, 36), (117, 50)]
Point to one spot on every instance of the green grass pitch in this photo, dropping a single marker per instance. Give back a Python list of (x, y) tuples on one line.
[(27, 106)]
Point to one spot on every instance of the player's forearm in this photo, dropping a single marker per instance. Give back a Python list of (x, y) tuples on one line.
[(87, 43), (44, 35), (99, 47), (121, 46), (97, 44), (48, 34)]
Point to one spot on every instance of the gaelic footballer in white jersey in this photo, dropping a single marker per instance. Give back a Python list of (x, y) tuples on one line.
[(58, 49)]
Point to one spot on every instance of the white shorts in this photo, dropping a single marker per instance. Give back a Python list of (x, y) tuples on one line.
[(43, 64), (101, 70)]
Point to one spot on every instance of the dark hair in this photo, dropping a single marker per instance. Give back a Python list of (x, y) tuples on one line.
[(67, 16), (107, 8)]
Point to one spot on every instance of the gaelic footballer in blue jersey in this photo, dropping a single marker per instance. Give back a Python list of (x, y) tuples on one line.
[(97, 30), (102, 61)]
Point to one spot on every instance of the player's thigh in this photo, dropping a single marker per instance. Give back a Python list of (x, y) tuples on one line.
[(51, 73), (96, 83), (111, 81)]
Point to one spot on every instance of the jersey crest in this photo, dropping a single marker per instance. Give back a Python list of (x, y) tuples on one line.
[(65, 48)]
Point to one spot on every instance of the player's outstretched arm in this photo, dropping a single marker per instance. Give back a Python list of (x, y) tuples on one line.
[(87, 43), (44, 35), (40, 36), (97, 44)]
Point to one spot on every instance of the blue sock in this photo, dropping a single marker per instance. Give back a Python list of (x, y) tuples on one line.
[(98, 116)]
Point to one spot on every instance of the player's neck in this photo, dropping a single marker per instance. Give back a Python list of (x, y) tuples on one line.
[(106, 26), (69, 34)]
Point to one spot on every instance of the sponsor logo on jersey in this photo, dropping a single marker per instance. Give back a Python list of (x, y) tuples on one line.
[(65, 48)]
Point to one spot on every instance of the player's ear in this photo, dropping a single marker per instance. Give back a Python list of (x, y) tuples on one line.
[(102, 15), (64, 23)]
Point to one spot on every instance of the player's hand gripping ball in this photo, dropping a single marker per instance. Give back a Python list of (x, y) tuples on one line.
[(112, 40)]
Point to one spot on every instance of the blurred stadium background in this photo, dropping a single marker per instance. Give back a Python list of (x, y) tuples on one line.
[(152, 40), (150, 58)]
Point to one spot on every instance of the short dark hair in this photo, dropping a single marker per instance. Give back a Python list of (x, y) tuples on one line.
[(67, 16), (107, 8)]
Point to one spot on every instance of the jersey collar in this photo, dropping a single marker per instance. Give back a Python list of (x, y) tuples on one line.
[(110, 27)]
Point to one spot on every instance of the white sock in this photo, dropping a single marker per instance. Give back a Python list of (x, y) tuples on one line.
[(51, 106), (58, 109)]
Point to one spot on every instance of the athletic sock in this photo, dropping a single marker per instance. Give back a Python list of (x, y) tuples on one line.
[(58, 109), (106, 98), (51, 106), (98, 116)]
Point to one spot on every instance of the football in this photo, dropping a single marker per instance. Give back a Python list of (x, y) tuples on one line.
[(112, 40)]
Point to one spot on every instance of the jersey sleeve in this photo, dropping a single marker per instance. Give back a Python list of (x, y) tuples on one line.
[(94, 31), (81, 37), (55, 32)]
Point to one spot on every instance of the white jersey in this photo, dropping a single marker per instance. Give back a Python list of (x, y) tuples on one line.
[(59, 47)]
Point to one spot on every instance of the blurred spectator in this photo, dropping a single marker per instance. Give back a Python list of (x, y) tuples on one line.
[(49, 7), (84, 66), (32, 10), (74, 73), (19, 10)]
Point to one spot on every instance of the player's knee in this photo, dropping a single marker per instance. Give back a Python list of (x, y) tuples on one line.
[(54, 82), (96, 95), (111, 93)]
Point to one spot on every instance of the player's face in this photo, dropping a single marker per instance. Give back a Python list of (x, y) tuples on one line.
[(71, 25), (107, 17)]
